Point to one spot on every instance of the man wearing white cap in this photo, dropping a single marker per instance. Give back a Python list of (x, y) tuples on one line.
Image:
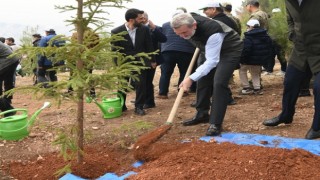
[(256, 52), (214, 10)]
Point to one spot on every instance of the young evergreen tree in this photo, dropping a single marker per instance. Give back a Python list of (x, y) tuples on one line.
[(80, 53)]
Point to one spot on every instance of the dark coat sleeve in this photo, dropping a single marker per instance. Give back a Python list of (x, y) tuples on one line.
[(247, 48)]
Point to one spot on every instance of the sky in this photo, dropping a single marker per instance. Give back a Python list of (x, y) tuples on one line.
[(16, 15)]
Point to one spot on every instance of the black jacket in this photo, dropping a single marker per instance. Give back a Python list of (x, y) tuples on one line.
[(304, 28), (258, 48), (5, 62), (143, 42), (228, 21)]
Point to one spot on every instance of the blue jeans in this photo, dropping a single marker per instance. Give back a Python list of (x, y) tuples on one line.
[(170, 60)]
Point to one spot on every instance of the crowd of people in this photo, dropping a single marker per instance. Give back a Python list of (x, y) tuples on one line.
[(223, 49)]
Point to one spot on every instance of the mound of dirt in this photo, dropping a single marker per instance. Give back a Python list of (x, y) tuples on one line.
[(202, 160)]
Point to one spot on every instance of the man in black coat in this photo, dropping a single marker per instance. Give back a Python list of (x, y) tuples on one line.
[(7, 69), (137, 40), (304, 29)]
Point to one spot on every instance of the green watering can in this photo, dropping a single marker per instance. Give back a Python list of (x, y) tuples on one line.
[(17, 127), (111, 107)]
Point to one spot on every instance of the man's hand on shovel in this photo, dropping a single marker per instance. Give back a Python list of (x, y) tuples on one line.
[(186, 84)]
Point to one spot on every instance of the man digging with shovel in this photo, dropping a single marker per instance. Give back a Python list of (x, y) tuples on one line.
[(223, 47)]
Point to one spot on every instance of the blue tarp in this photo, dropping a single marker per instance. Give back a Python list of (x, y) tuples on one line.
[(312, 146)]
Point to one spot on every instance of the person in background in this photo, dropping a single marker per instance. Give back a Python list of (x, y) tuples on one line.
[(256, 51), (137, 40), (214, 10), (304, 61), (253, 7), (3, 40), (279, 39), (157, 37), (175, 51), (44, 62), (11, 42), (35, 43), (7, 70), (36, 39), (227, 7), (223, 48)]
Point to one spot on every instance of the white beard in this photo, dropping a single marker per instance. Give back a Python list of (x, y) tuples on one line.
[(189, 37)]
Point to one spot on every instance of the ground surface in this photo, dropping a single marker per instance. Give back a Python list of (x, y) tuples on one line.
[(111, 141)]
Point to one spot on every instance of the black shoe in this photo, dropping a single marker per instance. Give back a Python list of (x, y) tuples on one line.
[(232, 102), (139, 111), (312, 134), (304, 93), (148, 106), (214, 130), (199, 118), (275, 121), (124, 108)]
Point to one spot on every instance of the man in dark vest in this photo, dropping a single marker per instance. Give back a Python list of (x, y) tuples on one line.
[(304, 28), (223, 49), (215, 11)]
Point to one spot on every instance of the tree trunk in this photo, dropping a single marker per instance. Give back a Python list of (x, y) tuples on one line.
[(80, 32)]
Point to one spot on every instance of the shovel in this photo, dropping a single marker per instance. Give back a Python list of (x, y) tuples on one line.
[(147, 139)]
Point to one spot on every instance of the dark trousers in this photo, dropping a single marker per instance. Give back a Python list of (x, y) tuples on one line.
[(140, 87), (217, 84), (5, 104), (150, 88), (293, 81), (205, 89), (7, 77), (305, 86), (170, 60), (46, 74)]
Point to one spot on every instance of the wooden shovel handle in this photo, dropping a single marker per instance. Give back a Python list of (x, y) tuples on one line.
[(180, 94)]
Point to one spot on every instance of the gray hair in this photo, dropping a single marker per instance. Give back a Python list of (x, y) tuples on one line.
[(182, 19)]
